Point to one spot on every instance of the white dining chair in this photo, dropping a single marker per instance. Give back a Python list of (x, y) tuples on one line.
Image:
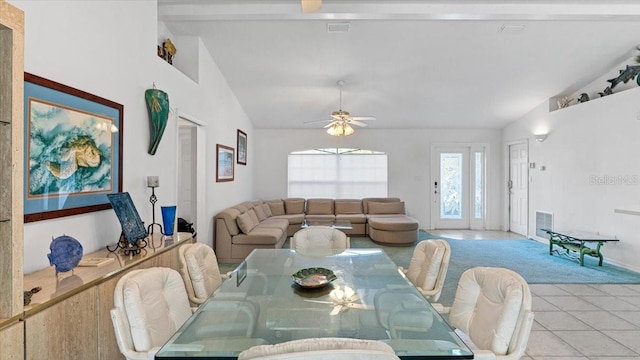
[(149, 306), (428, 267), (322, 349), (492, 313), (199, 270), (319, 240)]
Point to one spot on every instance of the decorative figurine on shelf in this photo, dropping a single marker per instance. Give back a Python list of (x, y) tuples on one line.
[(606, 91), (66, 253), (169, 50), (29, 294), (584, 97), (158, 106), (564, 102), (625, 75)]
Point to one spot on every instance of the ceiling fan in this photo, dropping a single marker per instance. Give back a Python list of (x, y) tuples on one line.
[(309, 6), (341, 120)]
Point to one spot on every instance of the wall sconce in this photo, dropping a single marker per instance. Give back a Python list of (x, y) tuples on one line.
[(540, 137)]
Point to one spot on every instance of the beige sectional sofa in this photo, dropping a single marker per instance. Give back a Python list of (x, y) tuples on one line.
[(267, 224)]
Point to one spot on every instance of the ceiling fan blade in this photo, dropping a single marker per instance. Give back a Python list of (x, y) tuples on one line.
[(329, 124), (309, 6), (315, 121), (357, 123), (363, 118)]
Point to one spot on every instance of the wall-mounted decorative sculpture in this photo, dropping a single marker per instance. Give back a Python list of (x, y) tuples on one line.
[(158, 106)]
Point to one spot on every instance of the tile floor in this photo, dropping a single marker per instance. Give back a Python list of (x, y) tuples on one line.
[(577, 321)]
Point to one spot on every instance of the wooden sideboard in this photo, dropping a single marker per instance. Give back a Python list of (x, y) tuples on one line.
[(69, 318)]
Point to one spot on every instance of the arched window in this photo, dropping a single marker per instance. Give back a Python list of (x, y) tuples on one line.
[(337, 173)]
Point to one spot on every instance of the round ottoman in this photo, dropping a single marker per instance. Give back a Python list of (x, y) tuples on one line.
[(393, 230)]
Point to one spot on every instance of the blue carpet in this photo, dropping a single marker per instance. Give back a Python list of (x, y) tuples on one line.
[(527, 257)]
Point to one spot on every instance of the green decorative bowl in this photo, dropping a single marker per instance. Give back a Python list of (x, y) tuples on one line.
[(313, 278)]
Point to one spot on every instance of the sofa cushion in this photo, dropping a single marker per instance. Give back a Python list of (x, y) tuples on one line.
[(266, 209), (386, 208), (260, 213), (276, 207), (254, 216), (245, 223), (393, 223), (348, 206), (366, 201), (229, 216), (294, 206), (261, 235), (353, 218), (319, 207)]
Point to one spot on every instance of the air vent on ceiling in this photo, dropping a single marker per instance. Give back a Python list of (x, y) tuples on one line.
[(338, 27), (544, 220)]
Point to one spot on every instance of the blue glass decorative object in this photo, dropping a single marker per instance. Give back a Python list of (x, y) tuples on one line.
[(132, 225), (168, 218), (66, 253)]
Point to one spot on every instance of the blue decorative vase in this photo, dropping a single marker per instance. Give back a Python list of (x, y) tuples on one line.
[(168, 218)]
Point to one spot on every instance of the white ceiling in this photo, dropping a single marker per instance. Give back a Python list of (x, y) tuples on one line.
[(412, 64)]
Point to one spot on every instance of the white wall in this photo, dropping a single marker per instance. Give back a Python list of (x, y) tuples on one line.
[(110, 51), (409, 159), (590, 150)]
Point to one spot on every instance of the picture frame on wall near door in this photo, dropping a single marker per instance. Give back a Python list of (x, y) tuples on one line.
[(224, 163), (242, 147)]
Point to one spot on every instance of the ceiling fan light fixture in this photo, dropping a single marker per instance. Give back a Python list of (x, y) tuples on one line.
[(340, 129)]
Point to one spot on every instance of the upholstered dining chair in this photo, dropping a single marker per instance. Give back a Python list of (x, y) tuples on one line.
[(492, 312), (200, 271), (319, 239), (428, 267), (149, 306), (321, 349)]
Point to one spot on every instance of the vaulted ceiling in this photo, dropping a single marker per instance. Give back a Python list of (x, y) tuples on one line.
[(411, 64)]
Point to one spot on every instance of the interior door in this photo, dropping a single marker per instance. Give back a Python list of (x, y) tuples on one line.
[(518, 186), (187, 155), (451, 188)]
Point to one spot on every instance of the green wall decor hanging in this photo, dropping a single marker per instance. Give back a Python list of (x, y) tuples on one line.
[(158, 106)]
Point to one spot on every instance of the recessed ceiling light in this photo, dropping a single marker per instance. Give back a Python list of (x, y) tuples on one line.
[(512, 28), (338, 27)]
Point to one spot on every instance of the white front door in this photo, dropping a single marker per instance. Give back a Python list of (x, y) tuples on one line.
[(518, 188), (459, 187)]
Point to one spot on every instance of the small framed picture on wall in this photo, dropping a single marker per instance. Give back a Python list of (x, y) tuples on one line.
[(224, 163), (242, 147)]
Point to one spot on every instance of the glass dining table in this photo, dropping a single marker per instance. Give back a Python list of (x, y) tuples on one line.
[(367, 298)]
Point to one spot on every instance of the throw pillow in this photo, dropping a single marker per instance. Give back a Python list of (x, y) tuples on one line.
[(254, 216), (245, 223), (386, 208), (267, 210), (260, 213), (294, 206), (348, 207), (277, 208), (320, 206)]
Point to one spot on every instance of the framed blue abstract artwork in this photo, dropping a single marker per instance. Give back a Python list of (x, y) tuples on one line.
[(73, 150)]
